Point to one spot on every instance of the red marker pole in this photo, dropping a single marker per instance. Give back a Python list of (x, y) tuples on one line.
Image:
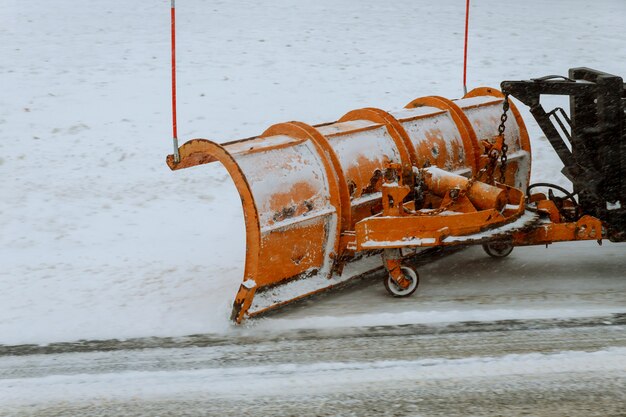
[(174, 125), (467, 7)]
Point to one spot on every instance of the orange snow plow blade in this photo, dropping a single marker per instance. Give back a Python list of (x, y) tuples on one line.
[(307, 190)]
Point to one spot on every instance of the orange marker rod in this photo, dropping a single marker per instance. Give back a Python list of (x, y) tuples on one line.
[(467, 7)]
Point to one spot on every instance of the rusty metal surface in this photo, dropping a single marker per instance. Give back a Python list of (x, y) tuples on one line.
[(304, 188)]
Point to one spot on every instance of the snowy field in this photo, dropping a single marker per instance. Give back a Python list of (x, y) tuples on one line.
[(99, 239)]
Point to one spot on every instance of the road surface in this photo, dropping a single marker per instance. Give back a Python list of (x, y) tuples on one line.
[(541, 333)]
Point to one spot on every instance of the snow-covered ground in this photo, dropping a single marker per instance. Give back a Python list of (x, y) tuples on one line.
[(98, 239), (536, 367), (305, 379)]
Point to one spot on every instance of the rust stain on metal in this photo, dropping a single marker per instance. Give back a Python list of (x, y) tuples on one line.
[(336, 199)]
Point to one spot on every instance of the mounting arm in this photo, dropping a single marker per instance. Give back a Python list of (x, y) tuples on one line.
[(596, 132)]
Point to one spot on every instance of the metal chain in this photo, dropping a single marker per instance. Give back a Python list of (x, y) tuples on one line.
[(505, 147)]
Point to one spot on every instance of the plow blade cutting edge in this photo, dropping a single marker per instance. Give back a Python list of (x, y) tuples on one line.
[(304, 188)]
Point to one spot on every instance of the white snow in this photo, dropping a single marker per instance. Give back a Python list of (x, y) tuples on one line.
[(359, 152), (290, 379), (513, 312), (442, 127), (315, 283), (98, 239), (283, 170), (259, 144), (425, 241)]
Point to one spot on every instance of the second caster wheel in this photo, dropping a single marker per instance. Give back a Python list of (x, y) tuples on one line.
[(397, 291), (498, 249)]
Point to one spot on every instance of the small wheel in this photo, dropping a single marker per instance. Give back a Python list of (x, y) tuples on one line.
[(395, 290), (498, 249)]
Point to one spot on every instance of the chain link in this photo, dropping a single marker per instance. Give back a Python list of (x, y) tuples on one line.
[(505, 147)]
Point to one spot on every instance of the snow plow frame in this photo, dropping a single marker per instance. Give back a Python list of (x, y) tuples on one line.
[(300, 229)]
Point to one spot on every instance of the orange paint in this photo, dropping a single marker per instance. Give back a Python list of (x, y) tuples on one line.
[(292, 251), (295, 244)]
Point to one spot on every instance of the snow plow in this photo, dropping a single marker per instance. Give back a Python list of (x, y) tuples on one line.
[(325, 204)]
